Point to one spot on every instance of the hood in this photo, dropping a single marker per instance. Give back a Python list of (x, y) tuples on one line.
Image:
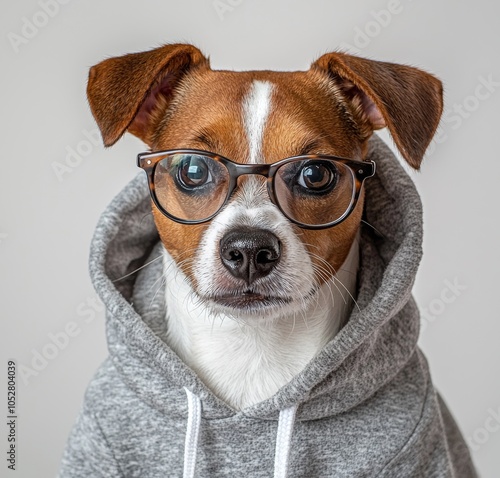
[(377, 341)]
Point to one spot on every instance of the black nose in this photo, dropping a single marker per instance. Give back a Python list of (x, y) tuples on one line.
[(249, 253)]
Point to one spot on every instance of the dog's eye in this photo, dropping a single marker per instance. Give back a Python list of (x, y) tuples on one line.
[(193, 172), (317, 176)]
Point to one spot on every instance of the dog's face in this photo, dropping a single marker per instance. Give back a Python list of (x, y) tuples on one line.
[(250, 258), (257, 118)]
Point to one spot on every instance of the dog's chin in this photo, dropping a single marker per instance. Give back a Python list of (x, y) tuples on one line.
[(254, 306)]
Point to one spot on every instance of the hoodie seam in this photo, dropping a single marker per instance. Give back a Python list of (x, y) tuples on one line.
[(428, 397)]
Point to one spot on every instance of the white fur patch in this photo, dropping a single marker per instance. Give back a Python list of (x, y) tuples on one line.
[(256, 107)]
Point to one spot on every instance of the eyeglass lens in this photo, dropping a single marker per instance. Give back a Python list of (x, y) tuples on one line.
[(314, 192), (189, 186)]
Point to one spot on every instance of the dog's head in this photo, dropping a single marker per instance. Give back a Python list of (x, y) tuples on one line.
[(254, 253)]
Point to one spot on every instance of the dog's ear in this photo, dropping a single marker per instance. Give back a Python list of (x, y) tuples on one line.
[(126, 92), (405, 99)]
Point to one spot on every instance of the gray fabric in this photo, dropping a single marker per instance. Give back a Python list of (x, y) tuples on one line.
[(367, 406)]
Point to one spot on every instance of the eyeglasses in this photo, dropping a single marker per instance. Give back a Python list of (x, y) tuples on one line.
[(314, 191)]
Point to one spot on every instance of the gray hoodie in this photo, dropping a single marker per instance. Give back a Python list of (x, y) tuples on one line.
[(364, 406)]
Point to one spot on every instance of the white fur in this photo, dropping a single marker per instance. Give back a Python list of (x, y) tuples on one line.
[(256, 106), (246, 357)]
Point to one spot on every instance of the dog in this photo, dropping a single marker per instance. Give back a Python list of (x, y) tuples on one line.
[(279, 331), (256, 285)]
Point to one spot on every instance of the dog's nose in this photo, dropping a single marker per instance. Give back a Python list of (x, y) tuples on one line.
[(249, 253)]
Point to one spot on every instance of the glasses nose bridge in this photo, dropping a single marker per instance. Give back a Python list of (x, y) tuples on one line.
[(250, 169), (237, 170)]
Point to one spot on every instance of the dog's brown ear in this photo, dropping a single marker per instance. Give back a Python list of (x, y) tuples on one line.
[(405, 99), (125, 92)]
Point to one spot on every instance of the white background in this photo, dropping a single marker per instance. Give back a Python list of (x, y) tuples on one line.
[(46, 222)]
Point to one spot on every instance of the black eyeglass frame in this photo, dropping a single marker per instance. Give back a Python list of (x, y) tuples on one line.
[(360, 169)]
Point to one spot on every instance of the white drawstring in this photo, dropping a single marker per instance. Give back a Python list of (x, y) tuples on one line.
[(283, 441), (192, 433), (283, 437)]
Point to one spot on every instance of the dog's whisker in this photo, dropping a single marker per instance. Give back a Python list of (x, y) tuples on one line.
[(348, 292), (293, 328), (355, 273), (373, 227), (137, 270), (161, 278), (144, 216), (160, 287)]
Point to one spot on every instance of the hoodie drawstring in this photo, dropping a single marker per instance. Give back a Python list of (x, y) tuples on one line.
[(283, 437), (192, 433), (283, 441)]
